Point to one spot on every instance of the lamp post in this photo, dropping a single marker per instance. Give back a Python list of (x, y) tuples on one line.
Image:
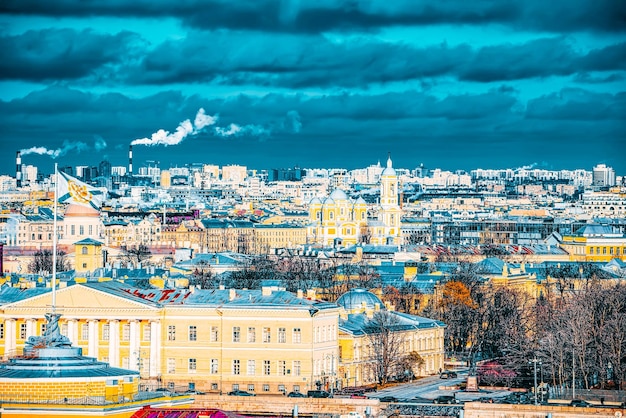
[(534, 362)]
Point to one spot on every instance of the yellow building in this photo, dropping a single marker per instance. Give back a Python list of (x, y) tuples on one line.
[(595, 243), (88, 255), (414, 347), (265, 341), (338, 220)]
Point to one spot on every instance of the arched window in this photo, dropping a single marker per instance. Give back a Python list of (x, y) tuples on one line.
[(84, 251)]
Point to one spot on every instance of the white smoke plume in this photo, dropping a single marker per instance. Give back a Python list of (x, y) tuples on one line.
[(236, 130), (59, 152), (186, 128)]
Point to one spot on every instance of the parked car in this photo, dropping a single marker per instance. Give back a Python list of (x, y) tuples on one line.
[(318, 394), (194, 392), (388, 398), (445, 399), (358, 395), (296, 395), (580, 402), (240, 393), (447, 375)]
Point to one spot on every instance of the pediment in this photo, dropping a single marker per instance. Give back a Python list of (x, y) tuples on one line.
[(79, 297)]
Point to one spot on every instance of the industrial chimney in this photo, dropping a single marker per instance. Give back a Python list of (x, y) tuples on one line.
[(130, 160), (18, 169)]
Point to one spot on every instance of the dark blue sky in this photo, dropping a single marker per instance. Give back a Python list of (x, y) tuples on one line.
[(453, 84)]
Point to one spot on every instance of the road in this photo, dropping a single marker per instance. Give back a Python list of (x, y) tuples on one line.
[(428, 388)]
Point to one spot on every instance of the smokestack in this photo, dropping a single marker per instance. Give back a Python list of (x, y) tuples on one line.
[(130, 160), (18, 169)]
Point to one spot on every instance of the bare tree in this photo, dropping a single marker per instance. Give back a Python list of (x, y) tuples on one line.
[(204, 277), (135, 255), (385, 341), (42, 262)]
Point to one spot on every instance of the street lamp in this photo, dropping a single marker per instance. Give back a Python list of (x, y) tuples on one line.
[(534, 362)]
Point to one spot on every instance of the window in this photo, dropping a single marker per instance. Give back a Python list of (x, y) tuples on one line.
[(84, 251), (281, 388), (267, 368), (213, 386), (297, 336), (251, 367), (171, 365), (63, 329), (282, 367), (1, 331), (214, 366), (214, 334), (236, 367), (147, 332), (296, 388), (85, 332), (106, 328), (591, 250), (192, 365), (251, 388), (236, 334), (267, 335), (23, 331), (297, 368), (42, 329), (171, 332), (126, 332), (193, 333), (282, 335), (251, 334), (266, 387)]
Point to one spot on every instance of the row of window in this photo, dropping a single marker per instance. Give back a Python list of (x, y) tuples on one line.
[(266, 334), (279, 367), (612, 250), (321, 334)]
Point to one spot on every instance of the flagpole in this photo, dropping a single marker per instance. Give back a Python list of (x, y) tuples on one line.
[(54, 242)]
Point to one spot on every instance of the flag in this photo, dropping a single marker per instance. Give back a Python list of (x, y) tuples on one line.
[(72, 190)]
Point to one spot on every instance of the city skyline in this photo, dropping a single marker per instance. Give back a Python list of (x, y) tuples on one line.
[(270, 84)]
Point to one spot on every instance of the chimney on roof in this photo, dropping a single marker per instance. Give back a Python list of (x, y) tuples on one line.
[(300, 294), (310, 294), (266, 291), (232, 293)]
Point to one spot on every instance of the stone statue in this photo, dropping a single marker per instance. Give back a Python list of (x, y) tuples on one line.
[(52, 336)]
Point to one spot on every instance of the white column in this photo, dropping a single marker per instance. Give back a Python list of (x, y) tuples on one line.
[(72, 331), (114, 343), (134, 346), (10, 336), (31, 328), (92, 347), (155, 347)]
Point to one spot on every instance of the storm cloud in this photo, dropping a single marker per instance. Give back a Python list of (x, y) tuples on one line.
[(452, 84)]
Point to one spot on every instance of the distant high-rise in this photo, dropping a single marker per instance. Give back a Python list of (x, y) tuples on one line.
[(603, 176)]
